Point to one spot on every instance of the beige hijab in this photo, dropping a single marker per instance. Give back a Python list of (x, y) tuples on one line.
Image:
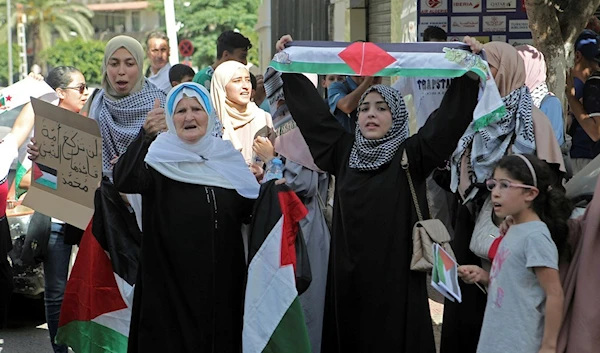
[(234, 121), (511, 68), (135, 48)]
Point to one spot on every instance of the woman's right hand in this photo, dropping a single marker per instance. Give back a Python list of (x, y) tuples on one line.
[(282, 42), (155, 121), (33, 150)]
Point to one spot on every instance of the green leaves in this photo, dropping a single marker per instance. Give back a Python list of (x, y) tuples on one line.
[(204, 20), (4, 63), (85, 55)]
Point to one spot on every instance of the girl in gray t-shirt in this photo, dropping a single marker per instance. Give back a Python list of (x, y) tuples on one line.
[(525, 296)]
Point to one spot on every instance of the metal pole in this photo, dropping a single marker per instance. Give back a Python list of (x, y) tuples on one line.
[(171, 31), (10, 62)]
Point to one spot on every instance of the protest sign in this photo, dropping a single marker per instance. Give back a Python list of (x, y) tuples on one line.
[(69, 167)]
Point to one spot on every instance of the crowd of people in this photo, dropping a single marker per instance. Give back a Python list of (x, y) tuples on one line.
[(188, 152)]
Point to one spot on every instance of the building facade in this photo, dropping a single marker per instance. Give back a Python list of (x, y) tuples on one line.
[(114, 17)]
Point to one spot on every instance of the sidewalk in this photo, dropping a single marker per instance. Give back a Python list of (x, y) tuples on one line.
[(436, 309)]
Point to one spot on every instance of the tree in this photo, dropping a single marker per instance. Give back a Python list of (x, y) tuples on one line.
[(4, 63), (87, 56), (555, 25), (48, 17), (204, 20)]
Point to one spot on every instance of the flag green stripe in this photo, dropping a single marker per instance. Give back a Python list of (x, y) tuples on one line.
[(291, 335), (344, 69), (46, 183), (21, 171), (91, 337)]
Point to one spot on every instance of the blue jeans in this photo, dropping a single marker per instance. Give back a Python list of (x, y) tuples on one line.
[(56, 269)]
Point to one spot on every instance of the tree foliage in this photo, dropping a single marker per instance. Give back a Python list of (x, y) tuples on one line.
[(4, 63), (555, 25), (85, 55), (46, 18), (204, 20)]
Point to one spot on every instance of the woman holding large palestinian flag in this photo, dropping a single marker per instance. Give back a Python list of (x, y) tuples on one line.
[(375, 303)]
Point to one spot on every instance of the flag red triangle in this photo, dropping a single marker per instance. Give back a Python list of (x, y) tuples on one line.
[(92, 289)]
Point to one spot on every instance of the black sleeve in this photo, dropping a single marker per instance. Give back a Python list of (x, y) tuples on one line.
[(326, 138), (130, 174), (433, 145), (591, 96)]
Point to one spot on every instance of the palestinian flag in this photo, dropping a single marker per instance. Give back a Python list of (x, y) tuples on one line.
[(96, 310), (273, 317), (44, 175), (446, 60), (11, 98), (23, 165)]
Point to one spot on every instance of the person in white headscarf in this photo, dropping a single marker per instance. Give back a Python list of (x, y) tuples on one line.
[(196, 193), (242, 119)]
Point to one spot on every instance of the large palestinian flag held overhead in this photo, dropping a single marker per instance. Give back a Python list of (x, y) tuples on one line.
[(273, 317), (96, 310), (447, 60)]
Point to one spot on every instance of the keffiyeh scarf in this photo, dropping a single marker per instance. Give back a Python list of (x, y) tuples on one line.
[(491, 143), (539, 93), (372, 154), (120, 120)]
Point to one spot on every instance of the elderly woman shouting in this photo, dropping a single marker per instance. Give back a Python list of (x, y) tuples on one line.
[(196, 192)]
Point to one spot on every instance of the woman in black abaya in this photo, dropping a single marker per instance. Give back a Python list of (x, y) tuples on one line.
[(375, 303)]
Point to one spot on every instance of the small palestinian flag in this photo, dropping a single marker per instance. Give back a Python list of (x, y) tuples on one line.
[(446, 60), (45, 175), (13, 96), (273, 317), (96, 310)]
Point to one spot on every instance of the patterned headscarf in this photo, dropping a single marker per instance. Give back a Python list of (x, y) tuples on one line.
[(372, 154), (490, 144), (121, 117)]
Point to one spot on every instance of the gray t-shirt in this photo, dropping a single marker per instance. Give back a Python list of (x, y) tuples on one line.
[(514, 315)]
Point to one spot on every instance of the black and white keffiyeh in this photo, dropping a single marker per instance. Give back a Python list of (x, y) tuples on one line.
[(120, 120), (372, 154), (539, 93), (491, 143)]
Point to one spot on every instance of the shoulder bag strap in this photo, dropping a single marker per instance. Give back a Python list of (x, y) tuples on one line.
[(404, 164)]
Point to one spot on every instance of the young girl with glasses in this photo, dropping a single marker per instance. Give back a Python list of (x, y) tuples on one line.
[(525, 296)]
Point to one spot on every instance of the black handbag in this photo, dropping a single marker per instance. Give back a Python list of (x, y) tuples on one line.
[(35, 245)]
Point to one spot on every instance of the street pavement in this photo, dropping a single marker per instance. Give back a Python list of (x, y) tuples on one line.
[(27, 331)]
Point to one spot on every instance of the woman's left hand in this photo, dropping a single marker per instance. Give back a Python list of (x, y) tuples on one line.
[(476, 46), (263, 148)]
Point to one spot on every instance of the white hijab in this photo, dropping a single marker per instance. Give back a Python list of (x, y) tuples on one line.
[(209, 161)]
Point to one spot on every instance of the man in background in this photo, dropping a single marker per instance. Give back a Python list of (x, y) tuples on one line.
[(230, 46), (583, 94), (157, 46), (180, 73)]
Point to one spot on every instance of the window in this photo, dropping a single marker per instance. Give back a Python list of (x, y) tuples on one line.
[(135, 21)]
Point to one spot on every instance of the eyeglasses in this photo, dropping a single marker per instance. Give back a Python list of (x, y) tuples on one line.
[(82, 87), (504, 184)]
